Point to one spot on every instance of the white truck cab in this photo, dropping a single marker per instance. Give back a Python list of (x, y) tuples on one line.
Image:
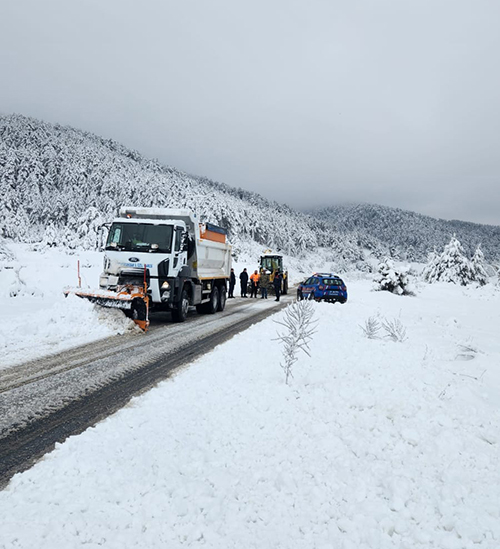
[(181, 262)]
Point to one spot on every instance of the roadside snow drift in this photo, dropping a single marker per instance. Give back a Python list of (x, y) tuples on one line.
[(374, 444), (35, 317)]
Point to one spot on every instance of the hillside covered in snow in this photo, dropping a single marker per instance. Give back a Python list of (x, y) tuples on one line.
[(409, 235), (59, 184)]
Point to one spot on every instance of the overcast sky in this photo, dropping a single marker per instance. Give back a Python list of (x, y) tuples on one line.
[(309, 103)]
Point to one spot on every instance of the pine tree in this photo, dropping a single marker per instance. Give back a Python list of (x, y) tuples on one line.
[(478, 269), (430, 268), (389, 279), (451, 266)]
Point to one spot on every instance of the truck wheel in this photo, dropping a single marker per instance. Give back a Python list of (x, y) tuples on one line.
[(137, 311), (214, 301), (179, 314), (222, 298)]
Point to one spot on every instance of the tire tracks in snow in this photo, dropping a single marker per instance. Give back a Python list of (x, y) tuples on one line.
[(43, 402)]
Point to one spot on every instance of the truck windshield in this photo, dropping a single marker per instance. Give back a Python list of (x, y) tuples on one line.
[(139, 237)]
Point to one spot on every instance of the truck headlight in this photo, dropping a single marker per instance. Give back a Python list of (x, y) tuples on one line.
[(165, 285)]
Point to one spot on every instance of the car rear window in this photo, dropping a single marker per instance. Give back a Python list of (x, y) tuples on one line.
[(332, 282)]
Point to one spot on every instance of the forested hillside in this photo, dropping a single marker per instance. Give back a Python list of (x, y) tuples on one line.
[(59, 184), (409, 235)]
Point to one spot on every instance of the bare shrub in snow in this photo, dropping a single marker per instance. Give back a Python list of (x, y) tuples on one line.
[(6, 256), (392, 280), (371, 328), (300, 326), (18, 286), (395, 331)]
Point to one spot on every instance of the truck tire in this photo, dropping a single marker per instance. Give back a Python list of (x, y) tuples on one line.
[(137, 311), (213, 304), (179, 314), (222, 298)]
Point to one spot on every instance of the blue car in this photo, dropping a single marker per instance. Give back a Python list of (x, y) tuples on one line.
[(323, 287)]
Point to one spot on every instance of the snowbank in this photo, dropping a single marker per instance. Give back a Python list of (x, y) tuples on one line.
[(375, 444), (35, 317)]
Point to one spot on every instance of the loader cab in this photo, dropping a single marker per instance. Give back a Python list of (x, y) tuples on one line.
[(271, 263), (274, 263)]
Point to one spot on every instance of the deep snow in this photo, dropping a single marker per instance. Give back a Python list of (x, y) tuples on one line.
[(374, 444)]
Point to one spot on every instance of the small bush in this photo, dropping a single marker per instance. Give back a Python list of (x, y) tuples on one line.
[(371, 328), (395, 331), (391, 280), (300, 327)]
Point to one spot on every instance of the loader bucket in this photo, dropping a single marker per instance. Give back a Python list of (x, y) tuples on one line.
[(131, 299)]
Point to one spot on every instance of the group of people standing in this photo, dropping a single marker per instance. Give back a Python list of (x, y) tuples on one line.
[(257, 281)]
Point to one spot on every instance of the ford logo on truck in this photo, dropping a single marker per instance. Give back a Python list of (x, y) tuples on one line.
[(134, 259)]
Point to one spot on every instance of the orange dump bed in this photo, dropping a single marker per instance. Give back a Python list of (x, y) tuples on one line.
[(215, 237), (212, 232)]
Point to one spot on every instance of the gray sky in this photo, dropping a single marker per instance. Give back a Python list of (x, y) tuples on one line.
[(309, 103)]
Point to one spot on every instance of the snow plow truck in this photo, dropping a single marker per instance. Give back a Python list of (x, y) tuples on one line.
[(162, 259)]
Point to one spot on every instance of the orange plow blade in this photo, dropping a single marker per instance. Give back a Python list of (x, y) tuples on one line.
[(131, 299)]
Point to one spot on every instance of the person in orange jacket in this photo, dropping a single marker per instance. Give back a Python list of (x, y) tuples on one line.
[(254, 280)]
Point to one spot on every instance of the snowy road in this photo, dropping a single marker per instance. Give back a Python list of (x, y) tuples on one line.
[(44, 401)]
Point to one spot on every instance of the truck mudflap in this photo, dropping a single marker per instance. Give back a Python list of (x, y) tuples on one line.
[(133, 300)]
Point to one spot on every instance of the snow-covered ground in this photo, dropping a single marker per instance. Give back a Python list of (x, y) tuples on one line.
[(374, 444), (39, 320)]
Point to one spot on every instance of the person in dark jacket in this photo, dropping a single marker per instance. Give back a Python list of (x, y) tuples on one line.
[(232, 283), (277, 285), (244, 283)]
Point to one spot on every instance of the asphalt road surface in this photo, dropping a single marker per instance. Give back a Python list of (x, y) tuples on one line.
[(45, 401)]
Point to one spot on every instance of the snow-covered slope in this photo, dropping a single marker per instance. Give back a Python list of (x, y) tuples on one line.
[(58, 184), (409, 235)]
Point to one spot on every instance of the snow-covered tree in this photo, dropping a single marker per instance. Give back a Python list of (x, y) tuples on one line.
[(451, 266), (53, 175), (431, 265), (393, 280), (478, 270)]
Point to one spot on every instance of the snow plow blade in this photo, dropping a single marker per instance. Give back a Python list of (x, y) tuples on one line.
[(132, 300)]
